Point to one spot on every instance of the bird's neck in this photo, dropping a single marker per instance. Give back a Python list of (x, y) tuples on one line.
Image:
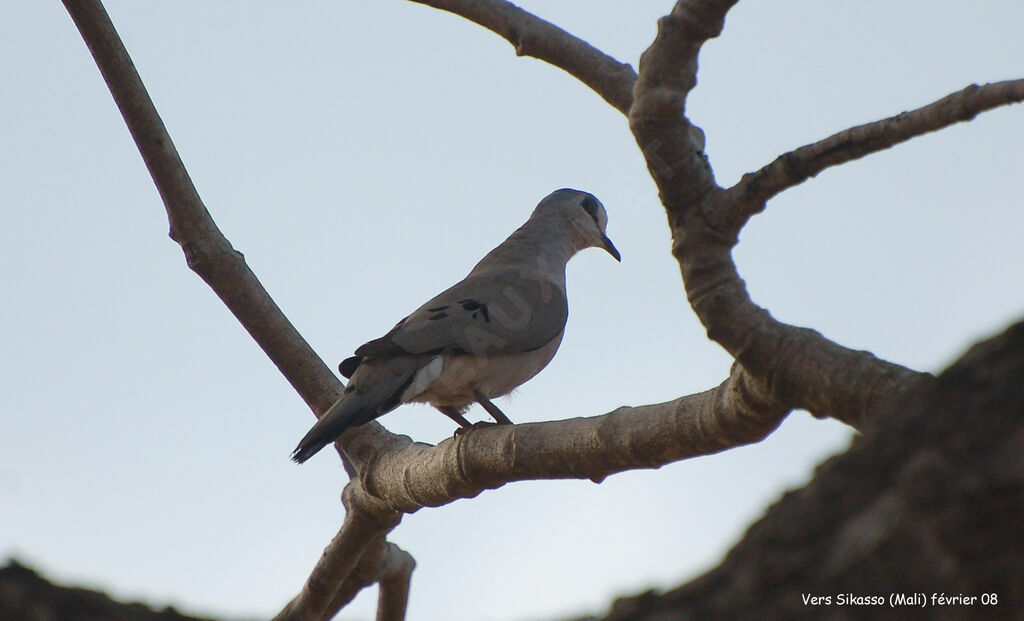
[(537, 246)]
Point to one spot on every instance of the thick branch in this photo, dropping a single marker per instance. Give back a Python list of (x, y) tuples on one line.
[(673, 147), (800, 367), (931, 500), (401, 476), (749, 195), (532, 36), (735, 413)]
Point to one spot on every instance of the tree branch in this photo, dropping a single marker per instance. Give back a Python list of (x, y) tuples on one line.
[(801, 367), (931, 500), (738, 412), (404, 476), (749, 195), (212, 257), (350, 562), (532, 36), (674, 147), (395, 576), (206, 249)]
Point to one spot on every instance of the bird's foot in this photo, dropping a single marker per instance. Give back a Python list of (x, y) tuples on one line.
[(492, 409)]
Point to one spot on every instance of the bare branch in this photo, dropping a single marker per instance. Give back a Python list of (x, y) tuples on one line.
[(333, 581), (737, 412), (673, 147), (395, 577), (206, 249), (800, 367), (532, 36), (402, 476), (363, 574), (211, 256), (380, 562), (749, 195), (386, 565)]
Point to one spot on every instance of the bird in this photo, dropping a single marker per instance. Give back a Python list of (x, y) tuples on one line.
[(479, 339)]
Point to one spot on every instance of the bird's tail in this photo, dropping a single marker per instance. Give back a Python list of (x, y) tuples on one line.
[(344, 414), (356, 407)]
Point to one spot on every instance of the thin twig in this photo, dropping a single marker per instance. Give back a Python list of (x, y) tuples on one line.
[(532, 36), (749, 195), (206, 249)]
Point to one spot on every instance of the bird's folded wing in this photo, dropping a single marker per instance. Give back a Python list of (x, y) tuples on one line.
[(497, 312)]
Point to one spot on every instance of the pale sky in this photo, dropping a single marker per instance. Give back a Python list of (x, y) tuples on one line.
[(363, 155)]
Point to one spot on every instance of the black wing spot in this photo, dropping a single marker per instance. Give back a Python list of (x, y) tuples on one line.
[(473, 306), (437, 309), (348, 366), (437, 316)]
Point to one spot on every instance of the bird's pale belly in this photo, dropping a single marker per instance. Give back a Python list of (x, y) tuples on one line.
[(452, 380)]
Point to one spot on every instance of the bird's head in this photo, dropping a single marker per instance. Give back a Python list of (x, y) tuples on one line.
[(585, 216)]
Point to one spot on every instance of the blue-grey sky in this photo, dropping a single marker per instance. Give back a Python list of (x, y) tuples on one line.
[(363, 155)]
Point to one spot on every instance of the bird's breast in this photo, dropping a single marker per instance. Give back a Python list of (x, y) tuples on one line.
[(454, 379)]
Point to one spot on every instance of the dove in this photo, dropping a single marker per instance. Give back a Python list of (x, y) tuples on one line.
[(479, 339)]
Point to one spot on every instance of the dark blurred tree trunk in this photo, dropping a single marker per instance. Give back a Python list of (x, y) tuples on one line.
[(930, 500), (27, 596)]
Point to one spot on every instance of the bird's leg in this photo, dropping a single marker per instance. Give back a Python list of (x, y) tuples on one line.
[(454, 414), (491, 409)]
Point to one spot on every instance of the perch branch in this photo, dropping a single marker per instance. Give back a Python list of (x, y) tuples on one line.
[(404, 476), (532, 36), (737, 412), (749, 195)]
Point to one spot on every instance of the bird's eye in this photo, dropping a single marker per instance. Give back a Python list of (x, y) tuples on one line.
[(589, 205)]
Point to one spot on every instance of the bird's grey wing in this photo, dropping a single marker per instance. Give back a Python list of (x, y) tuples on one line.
[(496, 312)]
